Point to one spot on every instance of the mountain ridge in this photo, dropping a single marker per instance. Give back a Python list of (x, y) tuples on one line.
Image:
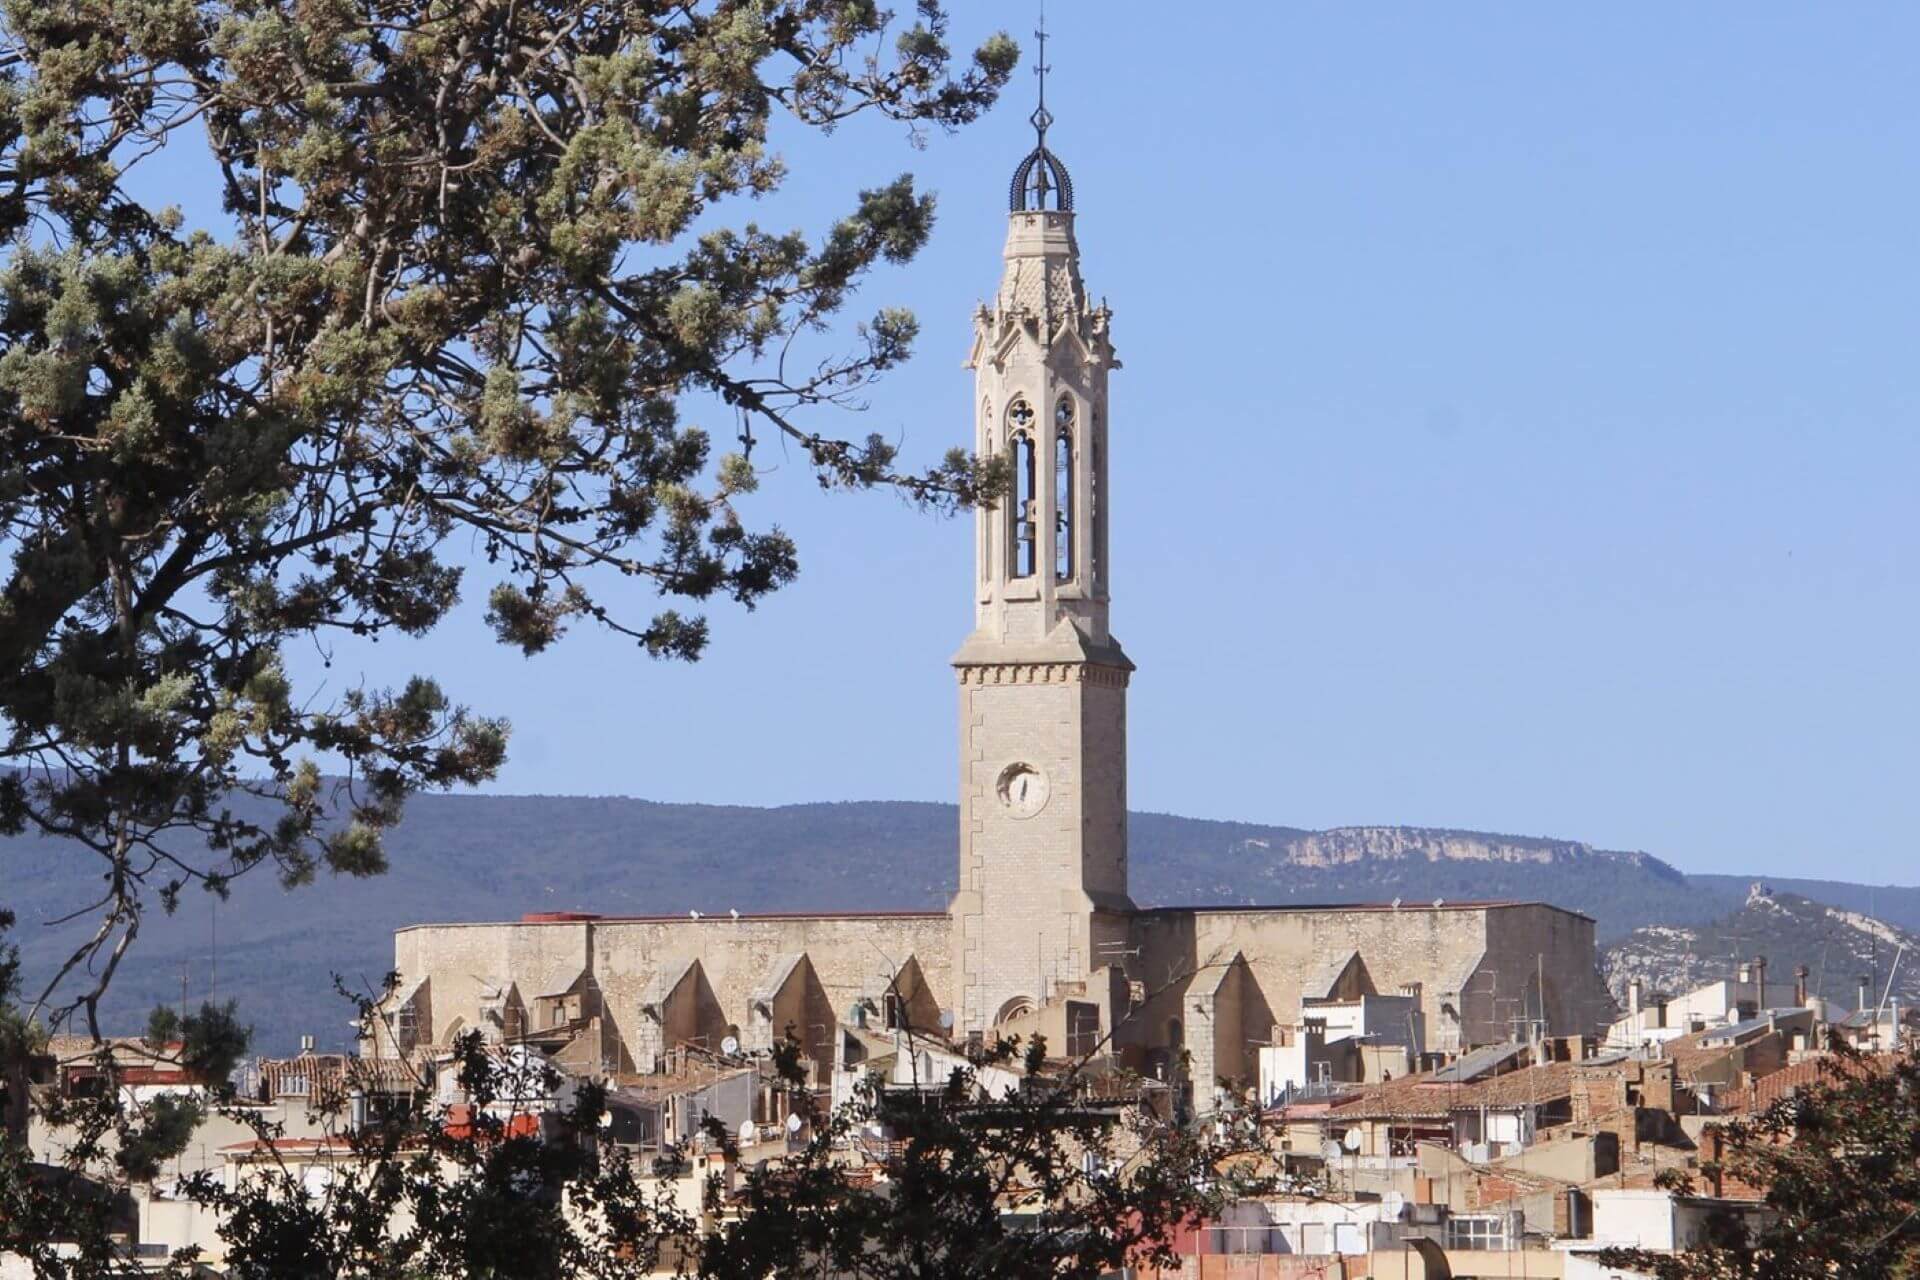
[(476, 857), (1837, 946)]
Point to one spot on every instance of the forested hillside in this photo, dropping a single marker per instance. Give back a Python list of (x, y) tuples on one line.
[(496, 857)]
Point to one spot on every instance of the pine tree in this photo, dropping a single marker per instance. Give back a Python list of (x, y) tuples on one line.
[(477, 257)]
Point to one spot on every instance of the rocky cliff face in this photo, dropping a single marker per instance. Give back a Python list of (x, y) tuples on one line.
[(1340, 846), (1183, 861), (1837, 946)]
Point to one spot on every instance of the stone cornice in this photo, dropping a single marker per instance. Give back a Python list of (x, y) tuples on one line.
[(992, 673)]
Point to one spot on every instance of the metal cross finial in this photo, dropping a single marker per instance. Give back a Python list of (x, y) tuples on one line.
[(1041, 117)]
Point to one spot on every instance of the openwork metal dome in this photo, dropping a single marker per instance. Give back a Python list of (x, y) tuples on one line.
[(1039, 174)]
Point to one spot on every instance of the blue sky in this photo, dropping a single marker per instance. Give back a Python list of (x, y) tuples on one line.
[(1518, 430)]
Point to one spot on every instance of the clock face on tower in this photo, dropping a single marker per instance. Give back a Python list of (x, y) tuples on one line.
[(1023, 790)]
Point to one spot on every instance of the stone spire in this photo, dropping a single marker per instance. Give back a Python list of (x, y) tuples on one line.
[(1041, 354)]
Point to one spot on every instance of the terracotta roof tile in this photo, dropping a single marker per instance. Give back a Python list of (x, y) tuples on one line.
[(1769, 1089), (1421, 1095)]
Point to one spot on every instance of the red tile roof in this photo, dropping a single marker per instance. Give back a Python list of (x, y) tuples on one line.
[(1421, 1095), (1787, 1081)]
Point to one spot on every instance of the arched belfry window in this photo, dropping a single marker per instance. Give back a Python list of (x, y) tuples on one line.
[(1026, 494), (1097, 504), (989, 448), (1063, 489)]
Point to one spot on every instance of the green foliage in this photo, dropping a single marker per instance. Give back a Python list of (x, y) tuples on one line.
[(457, 301), (210, 1043), (1040, 1183), (1839, 1164), (9, 966), (20, 1040), (162, 1134)]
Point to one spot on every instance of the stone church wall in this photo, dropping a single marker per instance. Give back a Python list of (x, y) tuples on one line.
[(1477, 966), (630, 960)]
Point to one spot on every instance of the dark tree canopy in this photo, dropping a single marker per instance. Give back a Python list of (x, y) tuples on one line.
[(458, 303)]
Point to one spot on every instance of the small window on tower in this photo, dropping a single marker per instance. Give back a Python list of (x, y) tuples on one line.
[(1063, 489)]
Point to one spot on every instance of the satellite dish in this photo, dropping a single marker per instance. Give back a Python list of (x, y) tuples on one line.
[(1393, 1204), (1329, 1150), (793, 1124), (946, 1019), (747, 1130), (730, 1046), (1352, 1140)]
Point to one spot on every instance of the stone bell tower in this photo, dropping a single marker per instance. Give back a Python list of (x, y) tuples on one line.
[(1043, 684)]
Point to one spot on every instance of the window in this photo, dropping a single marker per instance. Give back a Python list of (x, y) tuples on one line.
[(1097, 506), (1026, 497), (1477, 1231), (1247, 1240), (1083, 1029), (406, 1030), (1063, 489)]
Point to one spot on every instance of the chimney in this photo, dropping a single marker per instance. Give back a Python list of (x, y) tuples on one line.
[(1760, 980), (1866, 991), (1634, 986), (306, 1044), (1800, 985)]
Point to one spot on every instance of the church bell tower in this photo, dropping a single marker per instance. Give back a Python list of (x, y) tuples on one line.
[(1043, 784)]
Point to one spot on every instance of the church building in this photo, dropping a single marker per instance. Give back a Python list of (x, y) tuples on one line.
[(1041, 934)]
